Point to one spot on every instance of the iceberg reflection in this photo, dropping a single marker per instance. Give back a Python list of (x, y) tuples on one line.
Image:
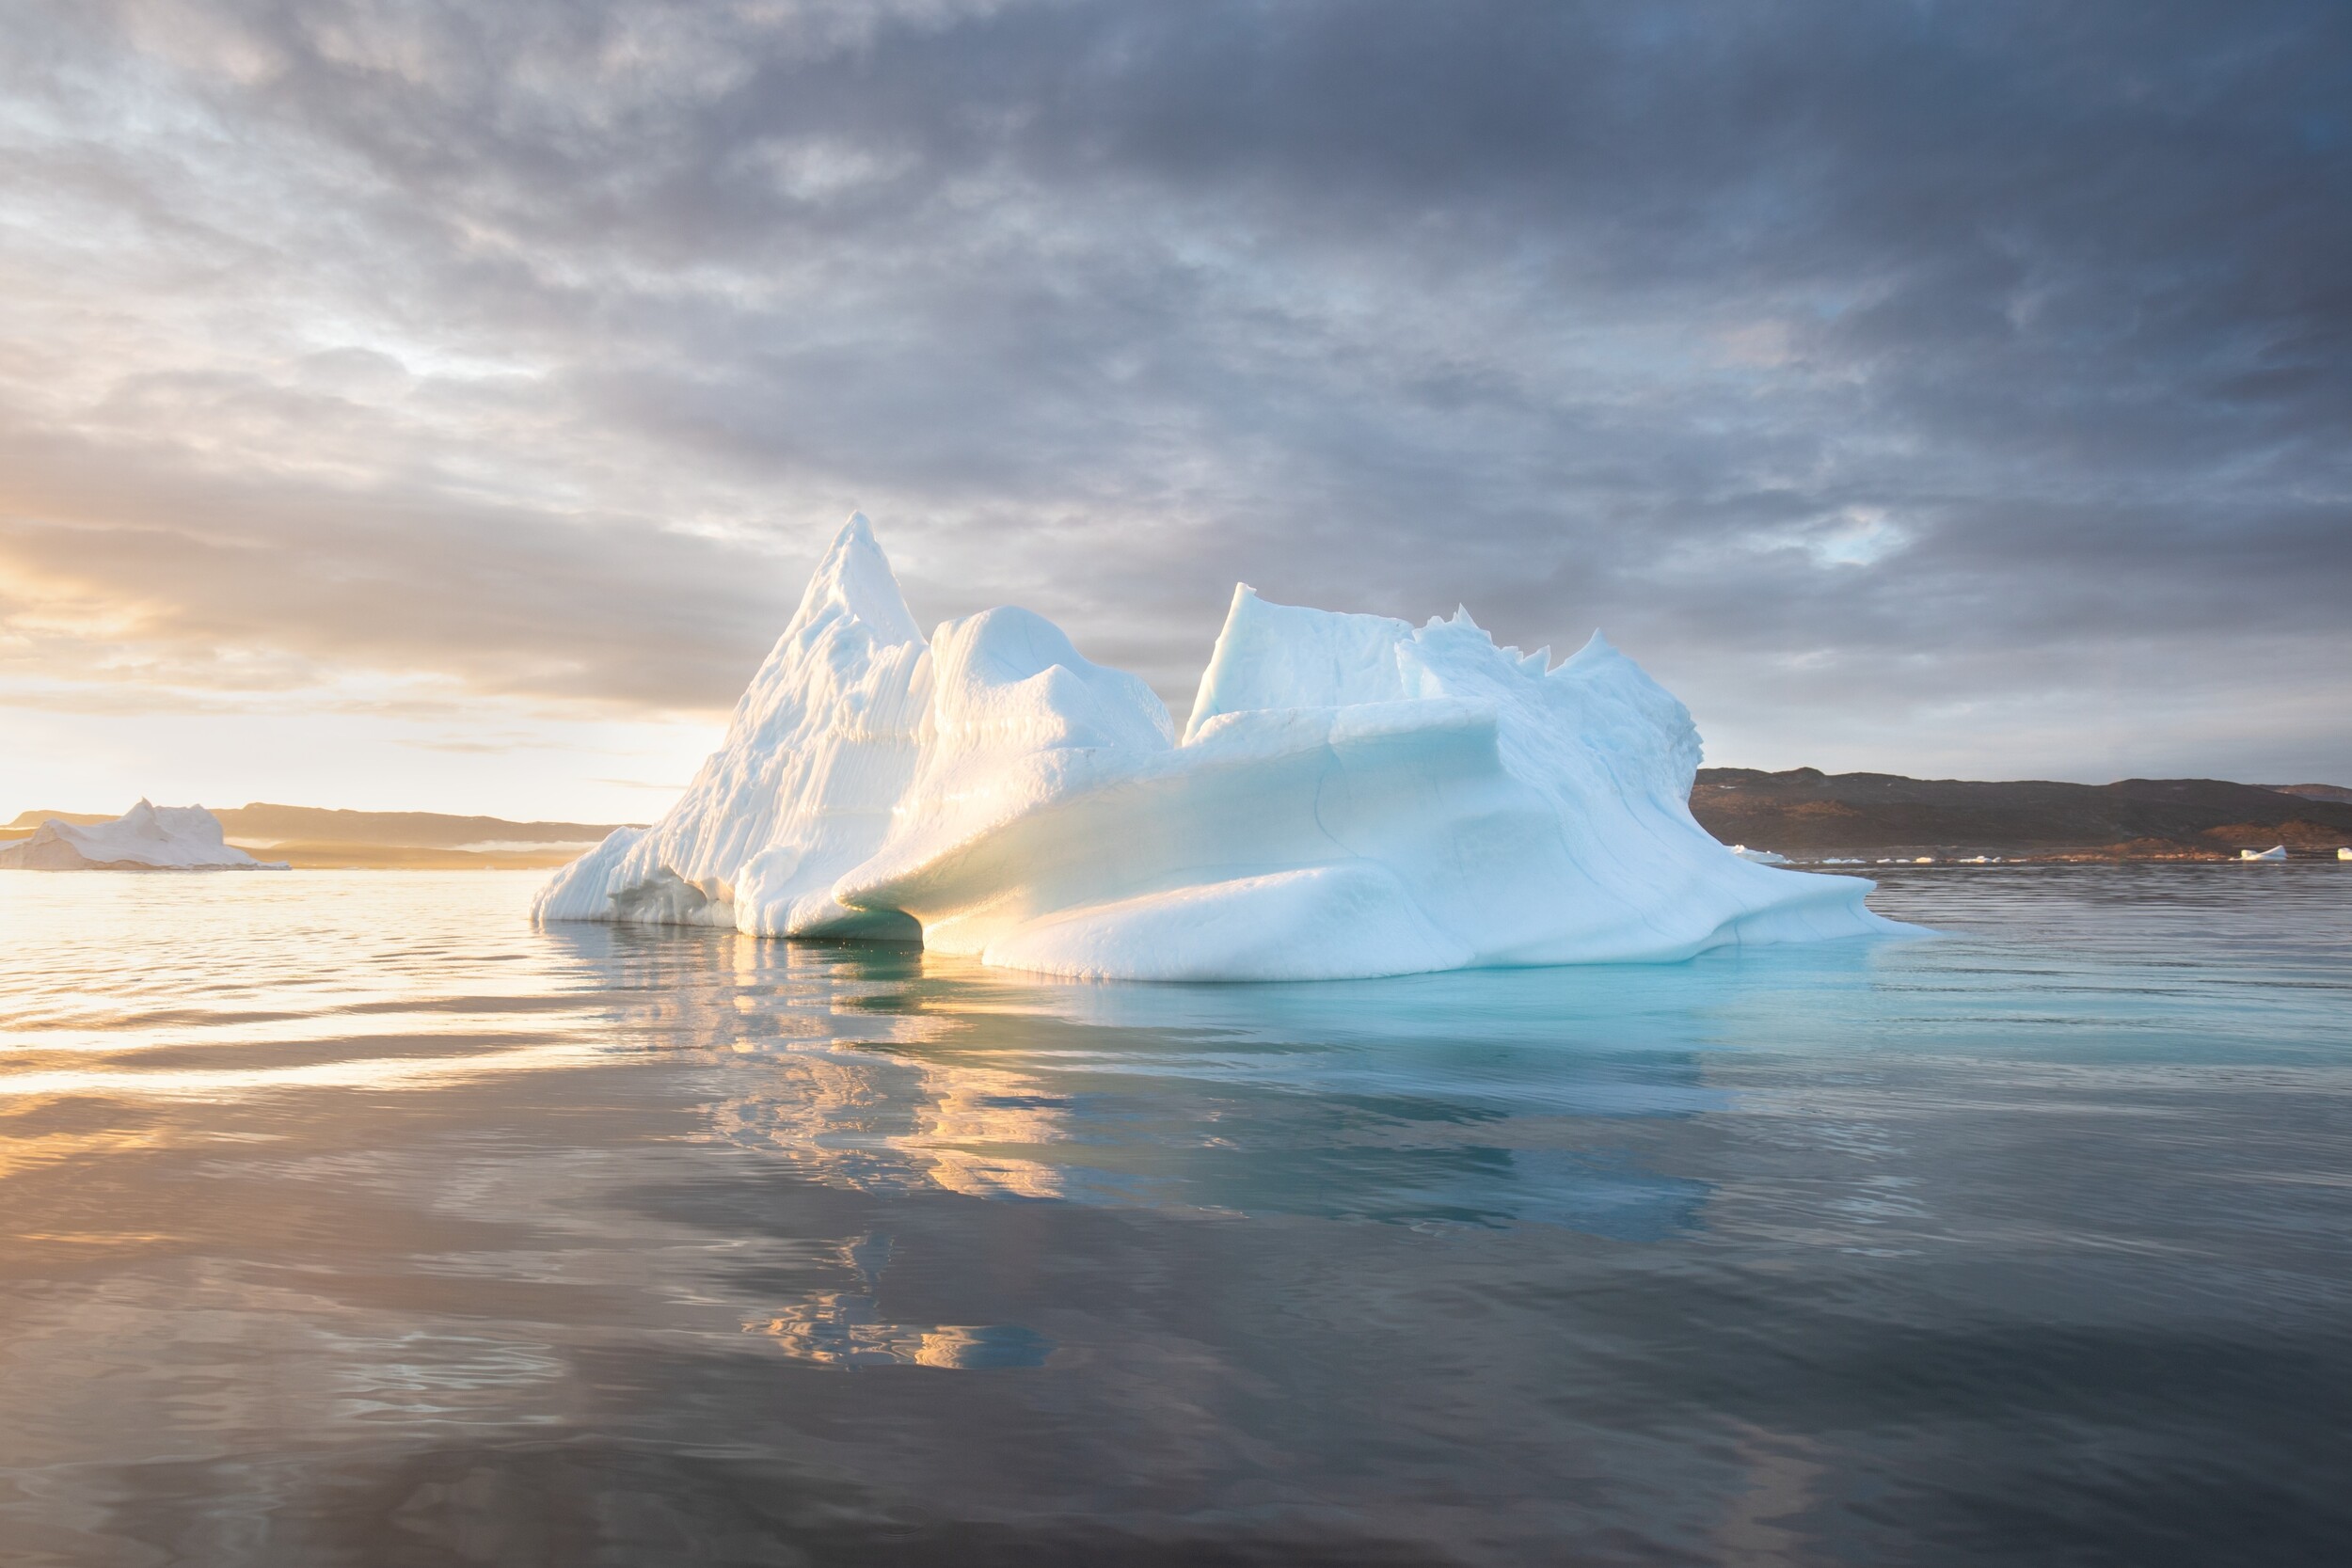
[(845, 1328), (1551, 1096)]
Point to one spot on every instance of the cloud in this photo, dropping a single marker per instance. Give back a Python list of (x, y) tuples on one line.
[(1846, 362)]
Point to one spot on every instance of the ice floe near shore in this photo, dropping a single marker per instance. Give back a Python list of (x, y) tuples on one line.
[(145, 838), (1353, 796)]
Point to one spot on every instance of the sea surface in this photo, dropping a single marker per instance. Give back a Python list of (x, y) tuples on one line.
[(347, 1219)]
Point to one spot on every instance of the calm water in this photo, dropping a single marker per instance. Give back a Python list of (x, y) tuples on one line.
[(349, 1220)]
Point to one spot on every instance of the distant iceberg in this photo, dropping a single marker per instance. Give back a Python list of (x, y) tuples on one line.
[(2276, 852), (1351, 797), (145, 838), (1760, 857)]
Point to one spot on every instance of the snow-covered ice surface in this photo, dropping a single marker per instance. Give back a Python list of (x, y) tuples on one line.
[(1353, 797), (145, 838)]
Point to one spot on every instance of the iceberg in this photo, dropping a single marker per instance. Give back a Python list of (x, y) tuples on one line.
[(2276, 852), (1761, 857), (1351, 797), (145, 838)]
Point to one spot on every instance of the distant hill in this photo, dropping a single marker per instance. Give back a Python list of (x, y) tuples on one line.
[(1807, 812), (316, 837), (319, 825), (1803, 812), (2316, 792), (419, 830)]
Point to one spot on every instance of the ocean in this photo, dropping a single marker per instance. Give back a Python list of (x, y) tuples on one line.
[(346, 1218)]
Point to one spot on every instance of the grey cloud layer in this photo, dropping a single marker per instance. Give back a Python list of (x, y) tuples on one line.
[(1856, 366)]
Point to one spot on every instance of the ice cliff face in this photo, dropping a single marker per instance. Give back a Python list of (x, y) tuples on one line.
[(145, 838), (1353, 797)]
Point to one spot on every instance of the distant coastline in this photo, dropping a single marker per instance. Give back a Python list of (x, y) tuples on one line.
[(318, 839), (1811, 815), (1802, 812)]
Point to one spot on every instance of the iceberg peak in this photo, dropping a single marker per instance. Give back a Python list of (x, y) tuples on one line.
[(854, 578), (1352, 796)]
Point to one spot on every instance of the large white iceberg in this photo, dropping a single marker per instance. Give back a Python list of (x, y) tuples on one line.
[(1353, 796), (145, 838)]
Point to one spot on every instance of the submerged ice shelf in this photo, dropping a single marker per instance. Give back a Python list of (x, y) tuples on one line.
[(1353, 796)]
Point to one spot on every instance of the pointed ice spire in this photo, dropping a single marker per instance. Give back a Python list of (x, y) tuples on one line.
[(855, 578), (1596, 650)]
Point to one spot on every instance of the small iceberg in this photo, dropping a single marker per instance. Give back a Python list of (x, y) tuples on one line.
[(2276, 852), (145, 838), (1761, 857), (2344, 854)]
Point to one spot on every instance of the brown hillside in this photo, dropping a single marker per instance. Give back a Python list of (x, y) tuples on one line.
[(1807, 812)]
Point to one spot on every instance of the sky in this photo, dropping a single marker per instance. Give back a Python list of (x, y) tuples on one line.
[(425, 404)]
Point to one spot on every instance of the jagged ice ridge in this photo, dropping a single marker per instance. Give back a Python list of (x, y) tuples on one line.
[(1353, 797)]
